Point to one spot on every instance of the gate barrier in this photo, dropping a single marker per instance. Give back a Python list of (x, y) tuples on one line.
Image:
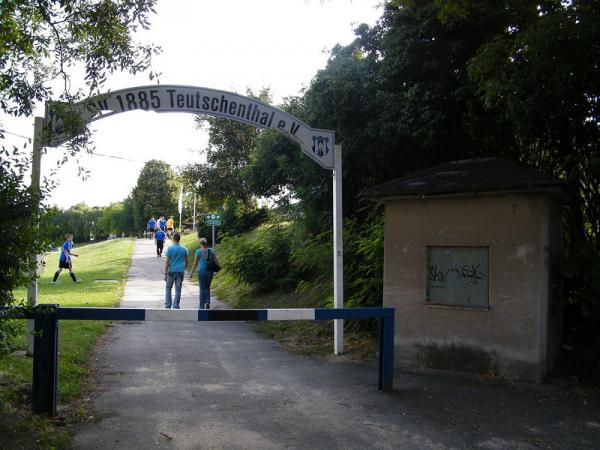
[(46, 318)]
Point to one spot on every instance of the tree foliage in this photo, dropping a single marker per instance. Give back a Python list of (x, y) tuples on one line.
[(155, 193), (18, 206), (228, 155), (441, 80), (41, 40), (89, 223)]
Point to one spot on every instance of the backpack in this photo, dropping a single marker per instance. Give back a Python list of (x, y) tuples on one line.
[(211, 262)]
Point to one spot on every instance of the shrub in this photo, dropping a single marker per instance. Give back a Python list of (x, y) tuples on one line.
[(263, 263)]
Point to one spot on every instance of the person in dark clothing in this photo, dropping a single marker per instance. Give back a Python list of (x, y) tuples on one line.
[(64, 260), (159, 237)]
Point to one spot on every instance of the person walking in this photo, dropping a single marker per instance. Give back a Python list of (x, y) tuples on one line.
[(170, 226), (64, 260), (162, 223), (205, 276), (159, 238), (177, 258), (150, 227)]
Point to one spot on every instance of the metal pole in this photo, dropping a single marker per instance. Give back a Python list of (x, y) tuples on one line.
[(36, 162), (194, 215), (45, 360), (386, 354), (213, 237), (338, 262)]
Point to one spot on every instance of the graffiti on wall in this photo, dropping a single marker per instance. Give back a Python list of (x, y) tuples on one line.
[(458, 276)]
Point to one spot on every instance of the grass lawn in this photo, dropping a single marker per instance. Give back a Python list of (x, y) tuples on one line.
[(102, 268)]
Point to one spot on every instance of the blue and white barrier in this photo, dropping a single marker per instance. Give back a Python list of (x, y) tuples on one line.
[(151, 314), (47, 317)]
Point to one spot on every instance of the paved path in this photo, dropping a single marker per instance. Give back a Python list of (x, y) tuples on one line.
[(145, 287), (184, 385)]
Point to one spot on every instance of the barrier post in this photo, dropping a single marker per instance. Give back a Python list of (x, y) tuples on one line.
[(45, 359), (386, 354)]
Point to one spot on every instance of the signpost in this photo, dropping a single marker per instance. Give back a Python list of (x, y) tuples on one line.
[(213, 220)]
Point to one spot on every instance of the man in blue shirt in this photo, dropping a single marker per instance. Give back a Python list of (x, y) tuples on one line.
[(174, 270), (150, 227), (159, 237), (64, 260), (162, 223)]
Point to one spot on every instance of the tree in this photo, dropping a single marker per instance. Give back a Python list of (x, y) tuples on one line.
[(40, 41), (229, 153), (23, 238), (542, 74), (155, 193), (116, 218)]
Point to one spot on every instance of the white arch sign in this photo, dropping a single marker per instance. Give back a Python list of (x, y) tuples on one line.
[(316, 143)]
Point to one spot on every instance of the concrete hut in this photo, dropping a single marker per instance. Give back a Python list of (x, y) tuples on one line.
[(472, 264)]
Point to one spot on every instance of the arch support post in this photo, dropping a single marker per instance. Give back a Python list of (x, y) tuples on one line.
[(36, 161), (338, 260)]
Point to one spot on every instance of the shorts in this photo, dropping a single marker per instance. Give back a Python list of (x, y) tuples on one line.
[(64, 264)]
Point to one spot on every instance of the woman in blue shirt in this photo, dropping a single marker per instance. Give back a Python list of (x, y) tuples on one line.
[(205, 276)]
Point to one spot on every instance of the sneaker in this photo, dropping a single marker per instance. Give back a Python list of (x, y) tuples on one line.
[(54, 282), (78, 280)]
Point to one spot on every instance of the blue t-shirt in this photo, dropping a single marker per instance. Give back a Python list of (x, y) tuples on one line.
[(66, 246), (162, 223), (151, 224), (203, 257), (159, 236), (176, 254)]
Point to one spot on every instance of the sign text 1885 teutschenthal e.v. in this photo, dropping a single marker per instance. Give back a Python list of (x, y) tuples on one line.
[(316, 143)]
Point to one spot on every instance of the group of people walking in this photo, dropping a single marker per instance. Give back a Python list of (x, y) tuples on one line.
[(165, 225), (159, 230), (175, 264), (177, 259)]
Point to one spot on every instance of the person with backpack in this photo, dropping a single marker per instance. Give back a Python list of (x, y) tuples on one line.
[(170, 226), (159, 237), (162, 224), (150, 227), (205, 258)]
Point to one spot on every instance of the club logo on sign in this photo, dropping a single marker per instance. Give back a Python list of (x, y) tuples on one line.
[(320, 146)]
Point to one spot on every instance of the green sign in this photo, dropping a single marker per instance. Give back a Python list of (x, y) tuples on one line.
[(212, 219)]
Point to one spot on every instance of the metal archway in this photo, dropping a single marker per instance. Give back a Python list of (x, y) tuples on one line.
[(316, 143)]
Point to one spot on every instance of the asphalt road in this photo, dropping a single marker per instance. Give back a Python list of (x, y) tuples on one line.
[(188, 385)]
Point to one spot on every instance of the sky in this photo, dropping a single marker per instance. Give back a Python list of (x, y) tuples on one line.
[(229, 45)]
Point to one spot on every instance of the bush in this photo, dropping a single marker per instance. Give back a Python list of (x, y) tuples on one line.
[(263, 263), (363, 258), (21, 236)]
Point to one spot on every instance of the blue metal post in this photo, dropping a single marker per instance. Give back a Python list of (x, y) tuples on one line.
[(45, 359), (386, 354)]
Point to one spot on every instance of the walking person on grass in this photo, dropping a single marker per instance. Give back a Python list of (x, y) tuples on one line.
[(64, 260), (205, 276), (174, 269)]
